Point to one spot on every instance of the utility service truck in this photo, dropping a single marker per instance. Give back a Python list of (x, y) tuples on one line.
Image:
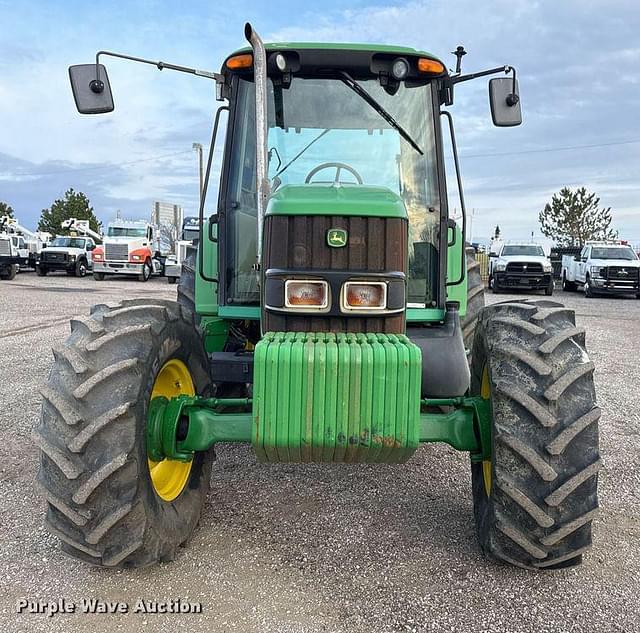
[(19, 247), (520, 266), (605, 267), (322, 317), (72, 253)]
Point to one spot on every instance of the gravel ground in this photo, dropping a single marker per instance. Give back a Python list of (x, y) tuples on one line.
[(321, 548)]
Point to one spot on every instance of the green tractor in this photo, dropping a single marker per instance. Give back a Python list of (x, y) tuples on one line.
[(329, 312)]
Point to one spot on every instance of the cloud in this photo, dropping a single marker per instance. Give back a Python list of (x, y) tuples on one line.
[(577, 65)]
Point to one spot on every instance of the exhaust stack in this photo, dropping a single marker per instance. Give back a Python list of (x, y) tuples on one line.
[(260, 79)]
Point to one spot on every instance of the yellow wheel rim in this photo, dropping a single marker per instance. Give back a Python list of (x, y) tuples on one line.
[(485, 393), (169, 477)]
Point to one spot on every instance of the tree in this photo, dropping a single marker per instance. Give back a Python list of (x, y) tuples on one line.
[(74, 205), (496, 233), (574, 217), (6, 209)]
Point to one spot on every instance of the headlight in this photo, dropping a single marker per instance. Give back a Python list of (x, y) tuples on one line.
[(72, 258), (595, 270), (97, 257), (501, 267), (136, 258), (547, 267), (364, 295), (309, 294)]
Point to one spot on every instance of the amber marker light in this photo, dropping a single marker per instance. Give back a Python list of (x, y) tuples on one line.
[(237, 62), (430, 66)]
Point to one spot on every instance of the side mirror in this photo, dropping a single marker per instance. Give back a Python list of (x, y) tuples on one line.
[(91, 247), (577, 258), (493, 254), (505, 102), (92, 94)]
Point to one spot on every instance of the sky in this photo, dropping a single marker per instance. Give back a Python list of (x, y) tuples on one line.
[(578, 65)]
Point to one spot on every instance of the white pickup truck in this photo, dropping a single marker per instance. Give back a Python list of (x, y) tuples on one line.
[(602, 268), (521, 266)]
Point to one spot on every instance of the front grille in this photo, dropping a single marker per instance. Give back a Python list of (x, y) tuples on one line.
[(299, 243), (53, 256), (621, 273), (5, 247), (116, 252), (524, 267)]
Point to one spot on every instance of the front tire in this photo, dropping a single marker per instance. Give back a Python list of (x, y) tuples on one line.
[(146, 272), (534, 501), (588, 292), (104, 503), (98, 276), (567, 286), (475, 298), (81, 268), (548, 291), (41, 271)]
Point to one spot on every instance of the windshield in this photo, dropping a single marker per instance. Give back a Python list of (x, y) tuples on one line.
[(523, 249), (322, 131), (69, 242), (128, 231), (603, 252)]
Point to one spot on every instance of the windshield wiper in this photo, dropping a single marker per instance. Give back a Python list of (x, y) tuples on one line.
[(349, 81), (301, 152)]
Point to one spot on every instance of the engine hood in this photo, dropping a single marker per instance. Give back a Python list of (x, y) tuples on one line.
[(624, 263)]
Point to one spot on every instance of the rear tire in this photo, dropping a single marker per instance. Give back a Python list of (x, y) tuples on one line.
[(475, 298), (102, 504), (172, 280), (545, 458)]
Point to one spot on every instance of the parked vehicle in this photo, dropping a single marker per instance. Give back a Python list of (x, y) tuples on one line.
[(73, 253), (70, 254), (188, 236), (19, 247), (128, 249), (322, 323), (521, 266), (603, 268)]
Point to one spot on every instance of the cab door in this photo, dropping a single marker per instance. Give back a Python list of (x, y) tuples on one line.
[(583, 264)]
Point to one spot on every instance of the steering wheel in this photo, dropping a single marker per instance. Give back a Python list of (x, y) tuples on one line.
[(339, 167)]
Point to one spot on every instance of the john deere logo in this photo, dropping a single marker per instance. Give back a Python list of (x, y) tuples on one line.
[(337, 238)]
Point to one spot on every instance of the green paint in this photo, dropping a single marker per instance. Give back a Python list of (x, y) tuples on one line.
[(206, 291), (347, 47), (240, 312), (417, 315), (337, 238), (336, 397), (215, 332), (454, 260), (208, 423), (383, 424), (345, 200)]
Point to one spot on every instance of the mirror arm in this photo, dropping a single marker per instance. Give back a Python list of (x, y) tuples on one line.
[(97, 85), (512, 99)]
